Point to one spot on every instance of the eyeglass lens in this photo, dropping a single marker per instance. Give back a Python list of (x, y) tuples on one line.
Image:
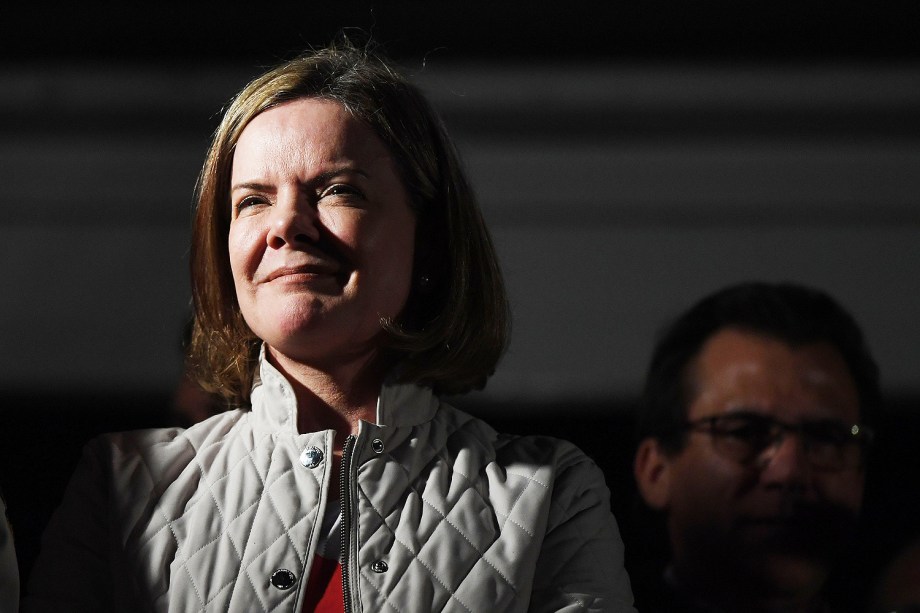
[(749, 437)]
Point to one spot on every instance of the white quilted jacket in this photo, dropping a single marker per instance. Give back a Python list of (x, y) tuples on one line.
[(443, 514)]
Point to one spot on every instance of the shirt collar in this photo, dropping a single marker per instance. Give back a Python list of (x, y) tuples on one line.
[(274, 404)]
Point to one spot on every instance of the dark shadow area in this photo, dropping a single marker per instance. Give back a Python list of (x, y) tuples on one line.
[(589, 30), (891, 510), (42, 438)]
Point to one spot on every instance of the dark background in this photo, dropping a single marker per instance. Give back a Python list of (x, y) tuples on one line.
[(474, 30), (147, 80)]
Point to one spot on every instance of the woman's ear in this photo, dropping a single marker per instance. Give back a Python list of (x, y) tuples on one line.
[(652, 470)]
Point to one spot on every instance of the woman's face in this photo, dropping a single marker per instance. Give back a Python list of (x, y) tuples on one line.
[(321, 234)]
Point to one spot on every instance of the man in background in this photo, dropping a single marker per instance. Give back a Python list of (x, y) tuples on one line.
[(753, 438)]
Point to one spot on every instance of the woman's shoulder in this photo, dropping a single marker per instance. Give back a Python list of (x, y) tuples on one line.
[(543, 470), (517, 448), (157, 448), (215, 426)]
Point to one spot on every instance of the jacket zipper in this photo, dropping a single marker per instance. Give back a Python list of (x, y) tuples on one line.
[(346, 499)]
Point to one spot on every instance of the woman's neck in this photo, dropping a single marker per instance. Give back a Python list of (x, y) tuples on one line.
[(336, 398)]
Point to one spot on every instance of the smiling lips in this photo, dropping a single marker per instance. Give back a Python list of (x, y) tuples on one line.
[(302, 272)]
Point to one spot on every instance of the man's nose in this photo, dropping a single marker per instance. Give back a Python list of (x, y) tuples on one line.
[(786, 461)]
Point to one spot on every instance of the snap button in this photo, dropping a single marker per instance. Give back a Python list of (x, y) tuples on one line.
[(311, 457), (377, 445), (283, 579), (380, 566)]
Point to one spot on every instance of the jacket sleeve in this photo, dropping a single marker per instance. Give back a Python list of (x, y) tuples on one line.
[(580, 567), (73, 569)]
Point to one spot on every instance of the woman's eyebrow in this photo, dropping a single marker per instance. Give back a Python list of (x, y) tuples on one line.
[(323, 177), (252, 186), (335, 172)]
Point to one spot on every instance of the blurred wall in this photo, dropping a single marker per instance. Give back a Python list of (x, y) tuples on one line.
[(618, 192)]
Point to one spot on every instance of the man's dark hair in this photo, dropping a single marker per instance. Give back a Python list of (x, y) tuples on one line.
[(791, 313)]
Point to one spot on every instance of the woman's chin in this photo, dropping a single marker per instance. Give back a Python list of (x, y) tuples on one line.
[(309, 345)]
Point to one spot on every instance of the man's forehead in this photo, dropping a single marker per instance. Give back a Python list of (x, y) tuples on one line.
[(738, 369)]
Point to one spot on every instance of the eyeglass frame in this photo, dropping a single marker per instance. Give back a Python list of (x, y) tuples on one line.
[(862, 437)]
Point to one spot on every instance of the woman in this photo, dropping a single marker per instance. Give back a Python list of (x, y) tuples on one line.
[(343, 279)]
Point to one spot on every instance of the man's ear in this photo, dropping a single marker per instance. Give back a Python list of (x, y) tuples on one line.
[(652, 470)]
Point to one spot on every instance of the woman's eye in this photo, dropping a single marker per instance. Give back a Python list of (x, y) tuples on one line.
[(249, 201), (340, 189)]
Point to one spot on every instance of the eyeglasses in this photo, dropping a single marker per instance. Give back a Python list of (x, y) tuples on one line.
[(747, 438)]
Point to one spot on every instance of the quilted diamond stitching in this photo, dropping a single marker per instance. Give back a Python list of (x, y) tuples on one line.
[(232, 580), (217, 593), (150, 475), (379, 591), (261, 494), (225, 532), (188, 509), (260, 462), (208, 484), (438, 454), (508, 520), (529, 477), (283, 602), (441, 454), (251, 525), (508, 517), (278, 514), (265, 488), (453, 595), (201, 500), (274, 505), (431, 571), (446, 520), (191, 579), (415, 554)]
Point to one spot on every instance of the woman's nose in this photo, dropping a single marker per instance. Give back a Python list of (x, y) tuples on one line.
[(292, 222)]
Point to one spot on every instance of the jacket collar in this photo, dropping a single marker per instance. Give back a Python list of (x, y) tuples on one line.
[(274, 405)]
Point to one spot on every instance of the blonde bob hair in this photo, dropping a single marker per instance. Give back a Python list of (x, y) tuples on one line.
[(455, 325)]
